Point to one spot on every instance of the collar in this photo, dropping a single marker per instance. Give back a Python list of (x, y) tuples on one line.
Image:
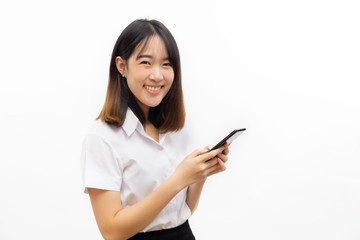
[(131, 122)]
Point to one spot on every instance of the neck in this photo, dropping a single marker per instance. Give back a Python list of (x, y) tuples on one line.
[(145, 110), (152, 131)]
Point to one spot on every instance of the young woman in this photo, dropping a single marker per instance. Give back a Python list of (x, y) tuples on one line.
[(135, 169)]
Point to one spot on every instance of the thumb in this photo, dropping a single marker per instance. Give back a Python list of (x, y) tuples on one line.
[(208, 147), (198, 152)]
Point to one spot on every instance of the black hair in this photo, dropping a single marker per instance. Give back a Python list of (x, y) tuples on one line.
[(169, 115)]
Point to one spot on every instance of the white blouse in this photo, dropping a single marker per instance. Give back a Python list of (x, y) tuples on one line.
[(126, 159)]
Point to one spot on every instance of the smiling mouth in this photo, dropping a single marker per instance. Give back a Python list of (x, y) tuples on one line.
[(153, 89)]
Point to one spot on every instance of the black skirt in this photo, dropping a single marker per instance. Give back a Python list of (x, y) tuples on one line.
[(182, 232)]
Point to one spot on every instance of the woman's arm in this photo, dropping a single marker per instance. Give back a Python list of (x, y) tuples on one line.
[(194, 190), (193, 195), (116, 222)]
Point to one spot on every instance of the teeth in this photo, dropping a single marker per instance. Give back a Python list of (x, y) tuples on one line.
[(153, 88)]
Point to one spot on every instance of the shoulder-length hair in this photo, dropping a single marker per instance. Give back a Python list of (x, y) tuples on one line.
[(169, 115)]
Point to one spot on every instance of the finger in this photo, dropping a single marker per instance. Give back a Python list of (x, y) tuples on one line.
[(223, 157), (220, 167), (198, 152), (208, 147), (210, 155), (211, 162), (226, 150), (212, 170)]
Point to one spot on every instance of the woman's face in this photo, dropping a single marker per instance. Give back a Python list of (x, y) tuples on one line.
[(149, 73)]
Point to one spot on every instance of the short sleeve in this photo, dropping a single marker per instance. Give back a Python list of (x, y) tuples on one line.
[(100, 166)]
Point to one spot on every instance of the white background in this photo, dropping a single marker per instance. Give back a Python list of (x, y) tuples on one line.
[(288, 71)]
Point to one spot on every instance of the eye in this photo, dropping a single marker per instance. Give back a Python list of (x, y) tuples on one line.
[(145, 62), (168, 64)]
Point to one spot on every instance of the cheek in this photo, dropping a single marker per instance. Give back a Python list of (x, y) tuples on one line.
[(170, 77), (138, 72), (136, 80), (134, 84)]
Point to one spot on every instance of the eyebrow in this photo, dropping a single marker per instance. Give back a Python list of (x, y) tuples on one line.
[(149, 56)]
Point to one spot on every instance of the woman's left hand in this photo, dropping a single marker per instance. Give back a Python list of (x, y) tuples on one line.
[(222, 159)]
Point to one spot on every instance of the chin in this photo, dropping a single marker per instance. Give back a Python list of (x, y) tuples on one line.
[(154, 104)]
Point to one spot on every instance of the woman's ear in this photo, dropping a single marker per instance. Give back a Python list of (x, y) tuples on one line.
[(120, 65)]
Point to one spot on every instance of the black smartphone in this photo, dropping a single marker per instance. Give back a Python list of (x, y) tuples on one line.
[(229, 138)]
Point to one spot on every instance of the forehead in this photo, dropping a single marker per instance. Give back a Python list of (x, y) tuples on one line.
[(153, 45)]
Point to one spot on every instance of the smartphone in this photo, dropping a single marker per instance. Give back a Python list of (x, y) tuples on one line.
[(229, 138)]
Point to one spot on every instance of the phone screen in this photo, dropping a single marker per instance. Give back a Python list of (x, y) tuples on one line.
[(229, 138)]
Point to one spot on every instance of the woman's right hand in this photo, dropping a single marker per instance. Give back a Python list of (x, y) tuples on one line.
[(194, 167)]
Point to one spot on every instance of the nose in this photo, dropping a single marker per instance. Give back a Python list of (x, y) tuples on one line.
[(156, 74)]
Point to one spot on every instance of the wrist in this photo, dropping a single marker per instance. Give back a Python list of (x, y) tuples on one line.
[(177, 182), (198, 184)]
